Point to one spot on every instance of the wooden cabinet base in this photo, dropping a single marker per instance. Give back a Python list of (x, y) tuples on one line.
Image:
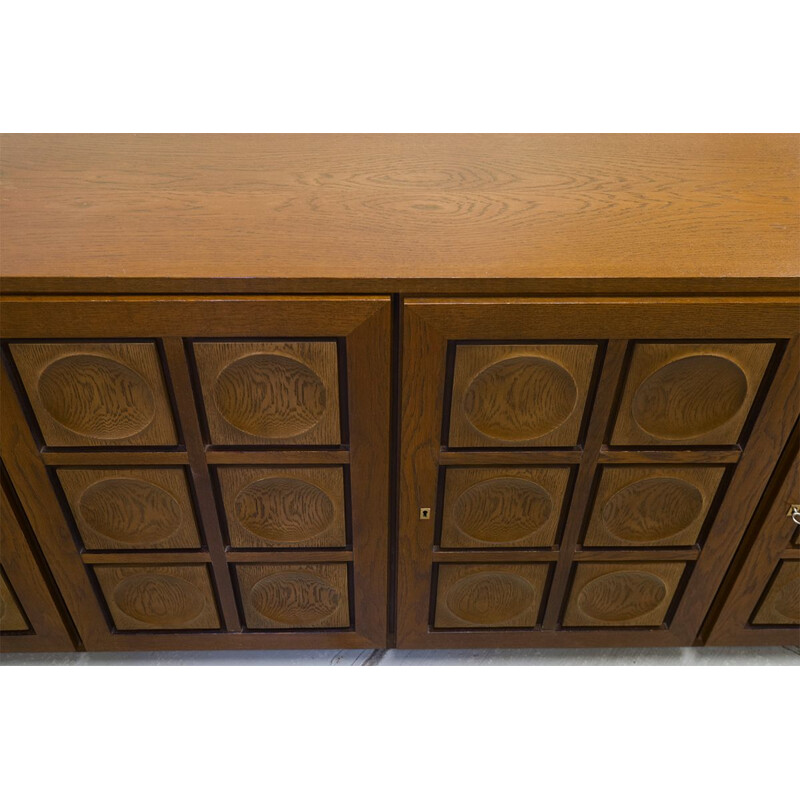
[(597, 499), (32, 615), (437, 391), (257, 514)]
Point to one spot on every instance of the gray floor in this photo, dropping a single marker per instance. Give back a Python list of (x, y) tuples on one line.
[(710, 656)]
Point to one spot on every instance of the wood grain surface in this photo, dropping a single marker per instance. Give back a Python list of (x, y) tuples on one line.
[(489, 595), (781, 603), (101, 394), (270, 392), (651, 506), (669, 497), (283, 507), (131, 509), (760, 601), (127, 598), (689, 394), (32, 616), (519, 395), (159, 597), (631, 594), (502, 507), (509, 212), (294, 595)]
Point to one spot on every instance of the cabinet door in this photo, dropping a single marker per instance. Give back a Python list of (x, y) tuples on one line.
[(30, 616), (580, 472), (762, 603), (205, 472)]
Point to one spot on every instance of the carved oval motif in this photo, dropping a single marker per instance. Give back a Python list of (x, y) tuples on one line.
[(130, 510), (96, 396), (295, 598), (787, 600), (270, 396), (621, 596), (652, 509), (283, 509), (689, 397), (520, 398), (161, 600), (502, 509), (489, 598)]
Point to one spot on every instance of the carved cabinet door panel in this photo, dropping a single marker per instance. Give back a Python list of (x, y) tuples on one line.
[(760, 603), (580, 472), (32, 616), (206, 472)]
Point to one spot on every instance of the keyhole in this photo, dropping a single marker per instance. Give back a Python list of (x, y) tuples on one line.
[(424, 513)]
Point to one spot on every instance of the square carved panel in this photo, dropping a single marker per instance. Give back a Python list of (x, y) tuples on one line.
[(276, 507), (11, 616), (689, 394), (270, 392), (502, 506), (623, 594), (651, 506), (489, 595), (781, 604), (294, 595), (520, 395), (150, 597), (131, 509), (108, 394)]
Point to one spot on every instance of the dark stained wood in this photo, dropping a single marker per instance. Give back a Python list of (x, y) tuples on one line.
[(359, 326), (575, 307), (744, 609), (269, 392), (489, 596), (273, 457), (107, 394), (679, 554), (43, 511), (149, 557), (377, 213), (201, 478), (30, 615), (519, 395), (606, 456), (634, 593), (300, 507), (524, 556), (730, 456), (499, 457), (430, 324), (492, 556), (595, 436), (276, 596), (118, 458), (502, 507), (651, 506), (781, 602), (290, 556), (689, 394), (122, 509), (128, 316), (767, 440), (155, 597)]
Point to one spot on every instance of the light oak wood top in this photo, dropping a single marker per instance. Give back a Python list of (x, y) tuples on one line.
[(460, 213)]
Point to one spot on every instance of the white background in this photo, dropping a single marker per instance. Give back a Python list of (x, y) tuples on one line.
[(414, 732)]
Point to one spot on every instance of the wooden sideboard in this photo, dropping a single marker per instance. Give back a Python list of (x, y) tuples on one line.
[(419, 391)]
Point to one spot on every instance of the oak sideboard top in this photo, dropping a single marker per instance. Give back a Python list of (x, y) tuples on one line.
[(459, 213)]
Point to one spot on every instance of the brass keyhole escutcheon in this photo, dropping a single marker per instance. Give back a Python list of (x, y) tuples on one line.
[(424, 513)]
